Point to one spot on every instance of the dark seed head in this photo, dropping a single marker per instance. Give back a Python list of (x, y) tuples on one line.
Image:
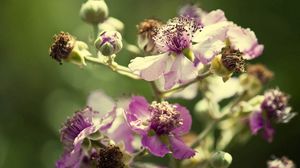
[(233, 60), (109, 157), (62, 46)]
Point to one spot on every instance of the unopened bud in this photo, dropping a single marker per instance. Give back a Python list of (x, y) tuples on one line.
[(221, 160), (111, 23), (66, 48), (94, 11), (109, 42)]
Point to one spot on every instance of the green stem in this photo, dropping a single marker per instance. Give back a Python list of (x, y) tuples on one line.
[(156, 91), (204, 133), (113, 66)]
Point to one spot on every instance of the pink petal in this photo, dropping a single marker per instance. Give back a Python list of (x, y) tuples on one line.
[(182, 71), (256, 122), (186, 120), (213, 17), (125, 134), (149, 68), (180, 150), (138, 115), (155, 146), (100, 102), (245, 41)]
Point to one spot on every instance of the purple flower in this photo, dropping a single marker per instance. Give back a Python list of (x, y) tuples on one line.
[(274, 108), (160, 125), (118, 131), (83, 124), (175, 63)]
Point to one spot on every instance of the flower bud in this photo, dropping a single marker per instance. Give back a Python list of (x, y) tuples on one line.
[(111, 23), (146, 32), (66, 48), (227, 62), (220, 160), (94, 11), (109, 42)]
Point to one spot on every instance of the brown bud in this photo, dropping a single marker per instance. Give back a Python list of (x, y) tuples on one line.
[(261, 72), (233, 59), (62, 46)]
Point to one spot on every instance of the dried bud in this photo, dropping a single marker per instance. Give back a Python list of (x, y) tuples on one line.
[(62, 46), (146, 31), (220, 160), (109, 42), (94, 11), (233, 60), (66, 48), (227, 62), (260, 72)]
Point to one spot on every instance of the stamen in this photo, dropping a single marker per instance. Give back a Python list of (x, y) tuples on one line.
[(165, 117)]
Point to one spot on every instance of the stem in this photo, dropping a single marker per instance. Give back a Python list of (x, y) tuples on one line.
[(139, 154), (204, 133), (113, 66), (156, 91)]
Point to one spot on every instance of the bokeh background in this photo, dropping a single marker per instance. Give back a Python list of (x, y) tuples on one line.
[(37, 94)]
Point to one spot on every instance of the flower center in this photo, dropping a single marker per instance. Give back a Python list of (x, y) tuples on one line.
[(176, 35), (73, 127), (165, 117)]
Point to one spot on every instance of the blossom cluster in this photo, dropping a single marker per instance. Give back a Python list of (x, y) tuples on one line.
[(193, 52)]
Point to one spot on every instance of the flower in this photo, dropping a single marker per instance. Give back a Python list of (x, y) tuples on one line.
[(109, 42), (81, 125), (274, 108), (66, 47), (119, 131), (283, 162), (174, 63), (160, 125), (104, 154)]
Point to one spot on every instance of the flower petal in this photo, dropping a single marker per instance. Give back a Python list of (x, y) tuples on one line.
[(186, 120), (245, 41), (108, 120), (256, 122), (138, 115), (125, 134), (149, 68), (155, 146), (213, 17), (100, 102), (182, 71), (72, 159), (180, 150), (268, 131)]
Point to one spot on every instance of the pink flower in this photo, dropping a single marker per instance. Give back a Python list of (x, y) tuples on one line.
[(160, 126)]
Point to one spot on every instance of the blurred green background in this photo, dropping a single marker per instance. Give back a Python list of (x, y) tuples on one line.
[(37, 94)]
